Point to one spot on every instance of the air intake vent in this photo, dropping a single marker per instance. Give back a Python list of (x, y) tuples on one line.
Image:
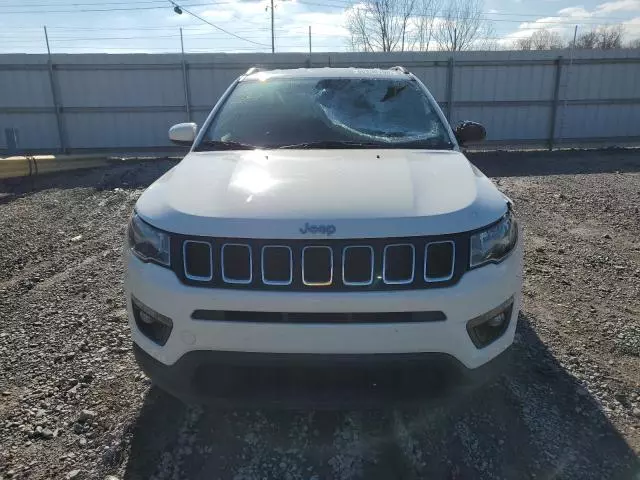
[(317, 266), (198, 263), (399, 264), (236, 263), (357, 265), (439, 261), (277, 265)]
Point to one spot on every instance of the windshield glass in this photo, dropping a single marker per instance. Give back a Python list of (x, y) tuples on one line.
[(327, 113)]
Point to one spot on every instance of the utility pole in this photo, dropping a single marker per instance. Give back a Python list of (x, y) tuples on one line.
[(185, 79), (273, 38), (54, 95), (309, 42)]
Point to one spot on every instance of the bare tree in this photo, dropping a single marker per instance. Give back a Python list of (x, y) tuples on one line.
[(426, 12), (462, 26), (525, 43), (587, 40), (540, 40), (603, 38), (635, 43), (611, 37), (381, 25)]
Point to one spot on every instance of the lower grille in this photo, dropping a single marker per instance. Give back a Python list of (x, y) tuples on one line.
[(306, 317), (350, 265)]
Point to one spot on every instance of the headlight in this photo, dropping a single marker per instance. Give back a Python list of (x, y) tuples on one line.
[(494, 243), (148, 243)]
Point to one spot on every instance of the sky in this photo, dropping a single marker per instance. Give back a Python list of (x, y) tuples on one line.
[(120, 26)]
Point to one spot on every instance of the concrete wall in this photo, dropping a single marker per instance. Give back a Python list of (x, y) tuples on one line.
[(128, 102)]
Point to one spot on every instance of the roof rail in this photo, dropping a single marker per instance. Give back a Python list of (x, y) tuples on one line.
[(400, 69), (254, 70)]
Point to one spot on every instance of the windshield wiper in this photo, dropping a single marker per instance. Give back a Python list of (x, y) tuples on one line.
[(333, 144), (415, 144), (224, 145)]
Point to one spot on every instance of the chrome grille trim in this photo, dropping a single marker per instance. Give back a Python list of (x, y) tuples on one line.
[(318, 284), (272, 282), (233, 280), (453, 262), (344, 256), (384, 264), (184, 261)]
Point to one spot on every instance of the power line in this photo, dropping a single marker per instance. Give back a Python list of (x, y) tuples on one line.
[(116, 9), (76, 4), (215, 26)]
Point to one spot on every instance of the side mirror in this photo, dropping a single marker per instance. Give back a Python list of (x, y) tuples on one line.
[(469, 132), (183, 133)]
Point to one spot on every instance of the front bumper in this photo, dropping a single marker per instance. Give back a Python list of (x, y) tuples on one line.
[(261, 380), (478, 291)]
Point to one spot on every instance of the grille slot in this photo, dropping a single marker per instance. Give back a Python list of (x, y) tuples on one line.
[(317, 317), (197, 260), (439, 261), (399, 264), (317, 266), (357, 265), (236, 263), (277, 265)]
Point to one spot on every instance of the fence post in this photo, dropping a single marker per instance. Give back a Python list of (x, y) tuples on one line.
[(54, 97), (185, 81), (450, 68), (554, 105)]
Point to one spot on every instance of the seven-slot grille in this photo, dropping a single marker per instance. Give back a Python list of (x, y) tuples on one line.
[(375, 264)]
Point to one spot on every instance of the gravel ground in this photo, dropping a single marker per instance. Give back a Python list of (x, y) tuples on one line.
[(74, 405)]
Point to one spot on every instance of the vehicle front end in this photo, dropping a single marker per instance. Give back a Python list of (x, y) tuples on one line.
[(334, 276)]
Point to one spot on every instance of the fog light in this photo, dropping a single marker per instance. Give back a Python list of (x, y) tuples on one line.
[(152, 324), (487, 328), (497, 320)]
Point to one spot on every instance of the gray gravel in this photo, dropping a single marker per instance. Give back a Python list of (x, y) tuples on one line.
[(74, 405)]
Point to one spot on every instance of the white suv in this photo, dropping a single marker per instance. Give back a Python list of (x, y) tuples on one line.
[(323, 238)]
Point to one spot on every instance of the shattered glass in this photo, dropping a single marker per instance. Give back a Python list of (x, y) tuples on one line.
[(281, 112)]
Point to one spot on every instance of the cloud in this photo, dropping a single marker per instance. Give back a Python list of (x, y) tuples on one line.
[(574, 12), (565, 20), (632, 28), (618, 6)]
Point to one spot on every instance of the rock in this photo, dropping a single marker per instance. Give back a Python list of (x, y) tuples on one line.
[(86, 415), (47, 433), (5, 394), (76, 238), (636, 412), (72, 474), (111, 477), (82, 441), (607, 236)]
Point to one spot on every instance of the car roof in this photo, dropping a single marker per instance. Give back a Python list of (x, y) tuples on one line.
[(326, 72)]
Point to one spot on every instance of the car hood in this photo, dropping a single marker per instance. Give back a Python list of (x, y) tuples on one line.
[(360, 193)]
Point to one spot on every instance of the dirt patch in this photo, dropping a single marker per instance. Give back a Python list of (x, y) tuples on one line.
[(74, 404)]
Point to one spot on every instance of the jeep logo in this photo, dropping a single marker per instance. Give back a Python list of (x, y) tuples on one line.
[(321, 229)]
